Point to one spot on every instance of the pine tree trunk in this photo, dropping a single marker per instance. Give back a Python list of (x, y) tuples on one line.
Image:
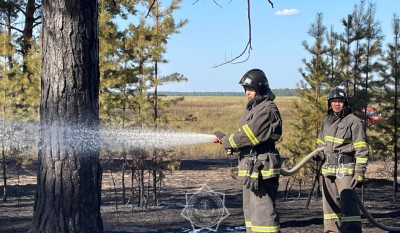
[(148, 189), (141, 185), (299, 194), (19, 198), (132, 188), (123, 177), (68, 194), (3, 154), (159, 187), (396, 83), (28, 30), (155, 184), (115, 189), (4, 174)]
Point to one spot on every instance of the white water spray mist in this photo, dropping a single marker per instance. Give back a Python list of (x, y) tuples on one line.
[(25, 136)]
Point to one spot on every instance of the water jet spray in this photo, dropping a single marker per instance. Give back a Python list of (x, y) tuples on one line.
[(25, 135)]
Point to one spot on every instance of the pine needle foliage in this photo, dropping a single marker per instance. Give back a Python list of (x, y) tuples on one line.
[(309, 111), (384, 140), (163, 27)]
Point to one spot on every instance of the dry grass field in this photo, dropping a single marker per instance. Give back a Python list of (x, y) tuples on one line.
[(218, 113)]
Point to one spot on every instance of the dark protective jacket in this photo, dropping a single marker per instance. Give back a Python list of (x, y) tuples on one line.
[(259, 128), (346, 150)]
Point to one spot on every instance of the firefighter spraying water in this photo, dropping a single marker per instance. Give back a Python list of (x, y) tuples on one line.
[(259, 161)]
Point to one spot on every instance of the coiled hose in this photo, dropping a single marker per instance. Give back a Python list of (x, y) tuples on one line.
[(360, 204)]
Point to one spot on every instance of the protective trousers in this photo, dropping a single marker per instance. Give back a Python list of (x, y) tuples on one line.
[(340, 206), (259, 207)]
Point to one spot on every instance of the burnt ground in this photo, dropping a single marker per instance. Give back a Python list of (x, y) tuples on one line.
[(190, 178)]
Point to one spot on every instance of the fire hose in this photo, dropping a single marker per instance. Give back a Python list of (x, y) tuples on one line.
[(360, 204), (301, 163)]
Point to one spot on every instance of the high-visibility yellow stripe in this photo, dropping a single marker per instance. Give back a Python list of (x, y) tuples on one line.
[(254, 175), (265, 228), (250, 134), (332, 216), (351, 219), (345, 170), (337, 140), (361, 160), (248, 223), (264, 173), (242, 172), (360, 144), (270, 172), (343, 219), (320, 141), (232, 142), (333, 139), (245, 130)]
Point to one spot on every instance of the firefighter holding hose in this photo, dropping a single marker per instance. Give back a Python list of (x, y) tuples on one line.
[(345, 157), (259, 162)]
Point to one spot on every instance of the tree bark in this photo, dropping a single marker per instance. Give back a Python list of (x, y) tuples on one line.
[(123, 177), (27, 33), (3, 163), (154, 171), (3, 155), (68, 194)]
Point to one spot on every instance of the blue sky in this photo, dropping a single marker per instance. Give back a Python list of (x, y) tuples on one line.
[(213, 33)]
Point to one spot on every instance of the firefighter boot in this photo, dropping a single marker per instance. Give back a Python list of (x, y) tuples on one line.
[(351, 219)]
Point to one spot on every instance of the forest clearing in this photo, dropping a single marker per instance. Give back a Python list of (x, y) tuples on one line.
[(199, 165), (84, 128)]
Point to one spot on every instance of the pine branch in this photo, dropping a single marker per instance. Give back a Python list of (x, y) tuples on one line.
[(216, 3), (14, 28), (38, 17), (151, 6), (36, 24), (272, 4), (248, 47)]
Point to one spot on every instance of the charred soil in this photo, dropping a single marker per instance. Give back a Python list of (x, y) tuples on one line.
[(219, 176)]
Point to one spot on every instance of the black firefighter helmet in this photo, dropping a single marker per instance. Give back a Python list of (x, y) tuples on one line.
[(337, 93), (257, 80)]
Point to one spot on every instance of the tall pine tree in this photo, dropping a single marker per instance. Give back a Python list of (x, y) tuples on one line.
[(310, 109), (389, 78)]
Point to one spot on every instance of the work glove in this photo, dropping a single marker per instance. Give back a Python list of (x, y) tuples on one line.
[(252, 182), (219, 136), (319, 156), (357, 181), (229, 151)]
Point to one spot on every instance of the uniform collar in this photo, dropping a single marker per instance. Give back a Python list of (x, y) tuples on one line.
[(256, 100), (342, 114)]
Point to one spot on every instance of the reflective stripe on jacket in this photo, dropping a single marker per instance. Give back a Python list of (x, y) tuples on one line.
[(344, 136), (259, 128)]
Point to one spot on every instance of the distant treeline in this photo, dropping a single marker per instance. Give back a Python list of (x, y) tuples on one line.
[(277, 92)]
